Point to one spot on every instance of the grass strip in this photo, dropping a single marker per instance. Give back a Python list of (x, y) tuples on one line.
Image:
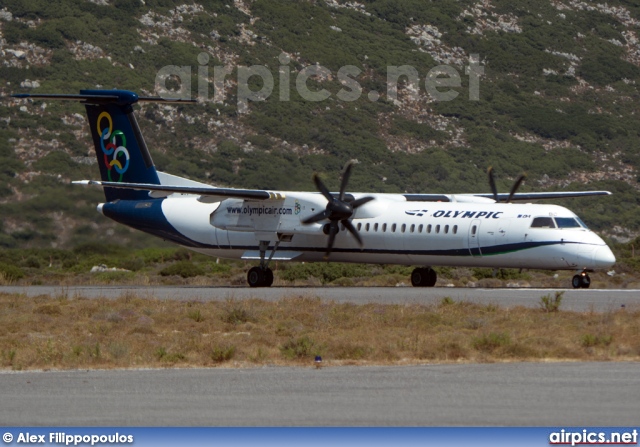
[(133, 331)]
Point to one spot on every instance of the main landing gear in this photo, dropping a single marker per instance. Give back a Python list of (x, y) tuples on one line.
[(581, 281), (423, 277), (262, 276)]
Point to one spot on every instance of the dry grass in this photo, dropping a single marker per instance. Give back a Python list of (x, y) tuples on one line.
[(137, 331)]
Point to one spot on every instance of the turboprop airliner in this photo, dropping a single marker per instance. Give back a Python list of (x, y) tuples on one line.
[(425, 230)]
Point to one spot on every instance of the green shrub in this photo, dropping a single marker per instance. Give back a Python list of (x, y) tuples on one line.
[(195, 315), (491, 342), (156, 255), (590, 340), (603, 69), (114, 277), (420, 131), (260, 141), (325, 272), (447, 301), (298, 348), (132, 264), (504, 274), (170, 357), (32, 262), (11, 272), (185, 269), (549, 304), (218, 268), (221, 354), (57, 162), (236, 315)]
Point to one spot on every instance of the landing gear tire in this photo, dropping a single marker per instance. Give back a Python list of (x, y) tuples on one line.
[(259, 277), (268, 277), (581, 282), (586, 282), (416, 277), (255, 277), (423, 277)]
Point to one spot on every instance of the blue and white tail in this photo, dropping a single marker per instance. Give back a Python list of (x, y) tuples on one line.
[(122, 153), (123, 156)]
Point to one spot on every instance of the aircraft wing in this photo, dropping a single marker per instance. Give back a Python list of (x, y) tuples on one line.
[(164, 190), (256, 194), (481, 198), (545, 195)]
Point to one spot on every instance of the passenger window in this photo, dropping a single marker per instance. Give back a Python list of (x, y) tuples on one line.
[(413, 228), (543, 222), (473, 230), (366, 227), (359, 226), (404, 227), (429, 228), (384, 227), (375, 227), (437, 228), (393, 228), (420, 228), (446, 229), (455, 229)]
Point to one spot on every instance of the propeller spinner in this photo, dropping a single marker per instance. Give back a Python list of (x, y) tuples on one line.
[(514, 188), (337, 210)]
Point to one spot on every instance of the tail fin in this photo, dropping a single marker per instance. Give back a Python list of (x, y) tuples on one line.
[(122, 153)]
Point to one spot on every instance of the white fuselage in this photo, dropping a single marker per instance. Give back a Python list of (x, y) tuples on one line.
[(393, 230)]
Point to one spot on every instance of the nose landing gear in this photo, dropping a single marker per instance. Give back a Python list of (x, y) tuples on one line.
[(581, 281)]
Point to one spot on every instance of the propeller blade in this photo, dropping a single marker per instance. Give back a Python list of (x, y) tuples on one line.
[(324, 214), (361, 201), (346, 174), (333, 230), (337, 210), (349, 226), (515, 186), (323, 189), (492, 184)]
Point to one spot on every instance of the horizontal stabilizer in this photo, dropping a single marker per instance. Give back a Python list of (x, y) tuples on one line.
[(120, 97), (252, 194)]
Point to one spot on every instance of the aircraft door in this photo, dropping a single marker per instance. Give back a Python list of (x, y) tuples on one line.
[(474, 238)]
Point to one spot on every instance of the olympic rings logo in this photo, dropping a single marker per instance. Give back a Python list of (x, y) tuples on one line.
[(116, 155)]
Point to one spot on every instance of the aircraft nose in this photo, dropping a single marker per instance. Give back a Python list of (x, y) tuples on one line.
[(603, 257)]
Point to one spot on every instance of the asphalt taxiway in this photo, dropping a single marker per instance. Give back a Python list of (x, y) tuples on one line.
[(514, 394)]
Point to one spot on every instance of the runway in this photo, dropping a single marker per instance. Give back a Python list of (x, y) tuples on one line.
[(516, 394), (580, 300)]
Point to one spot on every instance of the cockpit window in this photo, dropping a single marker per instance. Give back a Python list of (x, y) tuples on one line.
[(584, 225), (567, 222), (543, 222)]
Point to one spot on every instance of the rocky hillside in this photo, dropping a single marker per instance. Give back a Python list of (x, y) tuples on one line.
[(556, 99)]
